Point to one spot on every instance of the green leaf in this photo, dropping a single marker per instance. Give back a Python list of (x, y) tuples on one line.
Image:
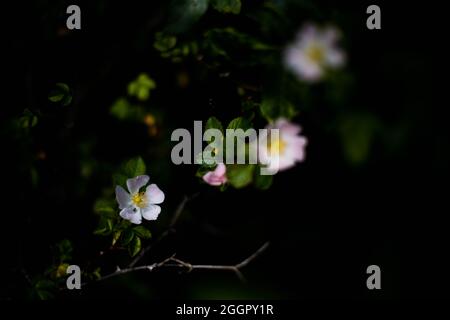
[(28, 119), (272, 109), (240, 175), (142, 232), (44, 289), (164, 42), (61, 94), (120, 179), (230, 44), (213, 123), (96, 274), (239, 123), (64, 248), (184, 13), (121, 109), (262, 182), (134, 167), (357, 134), (116, 236), (105, 227), (135, 246), (227, 6), (127, 236), (141, 87), (105, 207)]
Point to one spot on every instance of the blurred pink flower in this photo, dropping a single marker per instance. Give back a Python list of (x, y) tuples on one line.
[(313, 52), (282, 153), (216, 177)]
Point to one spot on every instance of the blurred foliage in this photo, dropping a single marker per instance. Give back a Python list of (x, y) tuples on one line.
[(61, 94), (227, 6)]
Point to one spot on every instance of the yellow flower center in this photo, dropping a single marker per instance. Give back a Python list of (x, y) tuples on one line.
[(316, 53), (276, 147), (139, 199)]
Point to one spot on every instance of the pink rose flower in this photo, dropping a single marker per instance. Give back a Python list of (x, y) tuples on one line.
[(283, 153), (216, 177)]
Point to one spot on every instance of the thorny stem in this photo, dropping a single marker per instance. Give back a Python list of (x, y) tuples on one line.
[(171, 229), (173, 262)]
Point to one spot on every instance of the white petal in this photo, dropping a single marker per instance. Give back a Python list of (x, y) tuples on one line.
[(131, 215), (136, 183), (330, 35), (151, 212), (335, 58), (154, 194), (122, 197), (302, 66), (136, 218), (307, 33)]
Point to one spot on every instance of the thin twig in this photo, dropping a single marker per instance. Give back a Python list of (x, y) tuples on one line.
[(163, 235), (173, 262), (253, 256), (26, 276)]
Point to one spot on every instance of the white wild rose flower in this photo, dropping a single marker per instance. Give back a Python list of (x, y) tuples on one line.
[(136, 205), (313, 52)]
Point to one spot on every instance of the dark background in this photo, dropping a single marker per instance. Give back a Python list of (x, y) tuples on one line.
[(327, 219)]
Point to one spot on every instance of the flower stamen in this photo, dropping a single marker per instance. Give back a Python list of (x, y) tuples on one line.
[(276, 147), (139, 200)]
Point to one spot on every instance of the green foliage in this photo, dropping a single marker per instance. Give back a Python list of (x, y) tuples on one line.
[(95, 275), (134, 167), (122, 109), (116, 236), (169, 47), (141, 87), (142, 232), (262, 182), (27, 120), (227, 6), (230, 44), (357, 133), (61, 94), (274, 108), (64, 249), (164, 42), (44, 289), (204, 158), (213, 123), (105, 207), (127, 236), (130, 169), (184, 13), (239, 123), (105, 227), (135, 246), (240, 175)]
